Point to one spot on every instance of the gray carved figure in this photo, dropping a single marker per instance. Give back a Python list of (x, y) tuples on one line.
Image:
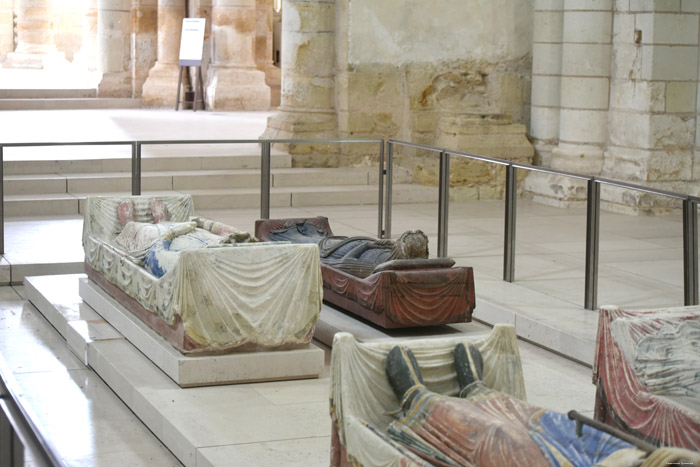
[(359, 255)]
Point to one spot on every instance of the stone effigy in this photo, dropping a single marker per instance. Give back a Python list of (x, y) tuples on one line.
[(363, 404), (201, 284), (483, 426), (646, 373), (458, 401), (391, 283)]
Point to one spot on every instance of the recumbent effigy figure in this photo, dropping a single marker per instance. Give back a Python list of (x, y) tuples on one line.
[(486, 427), (206, 287), (358, 255)]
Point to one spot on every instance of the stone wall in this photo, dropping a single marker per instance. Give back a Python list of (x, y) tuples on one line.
[(653, 105), (614, 94), (454, 74)]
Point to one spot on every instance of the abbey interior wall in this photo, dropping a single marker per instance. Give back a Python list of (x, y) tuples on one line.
[(452, 74), (602, 87), (614, 94)]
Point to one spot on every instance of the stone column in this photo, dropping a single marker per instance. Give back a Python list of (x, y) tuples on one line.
[(87, 56), (160, 87), (234, 81), (582, 130), (263, 50), (144, 41), (585, 84), (653, 105), (35, 45), (7, 43), (114, 40), (307, 107), (546, 78)]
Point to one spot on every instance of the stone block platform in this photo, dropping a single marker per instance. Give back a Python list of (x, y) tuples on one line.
[(100, 317)]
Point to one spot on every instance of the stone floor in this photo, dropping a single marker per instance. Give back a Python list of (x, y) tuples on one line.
[(641, 267)]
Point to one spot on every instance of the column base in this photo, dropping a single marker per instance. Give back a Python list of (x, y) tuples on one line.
[(562, 191), (580, 159), (35, 61), (160, 88), (237, 89), (115, 85), (296, 124), (484, 135)]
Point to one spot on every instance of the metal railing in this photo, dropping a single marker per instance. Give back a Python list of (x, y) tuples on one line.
[(265, 165), (690, 220), (384, 204), (19, 430)]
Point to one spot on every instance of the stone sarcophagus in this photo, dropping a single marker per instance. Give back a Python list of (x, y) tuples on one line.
[(646, 372), (202, 285), (373, 279)]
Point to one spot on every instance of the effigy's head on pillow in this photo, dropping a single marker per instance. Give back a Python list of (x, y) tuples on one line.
[(412, 244)]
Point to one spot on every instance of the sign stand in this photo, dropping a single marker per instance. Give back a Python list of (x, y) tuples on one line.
[(198, 89), (191, 47)]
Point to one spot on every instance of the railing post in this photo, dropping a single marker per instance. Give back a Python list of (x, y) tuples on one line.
[(690, 252), (389, 184), (135, 168), (592, 244), (380, 202), (265, 180), (443, 203), (11, 448), (2, 202), (511, 197)]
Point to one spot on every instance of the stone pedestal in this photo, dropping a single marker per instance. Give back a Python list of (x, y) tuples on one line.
[(235, 83), (160, 87), (486, 135), (35, 47), (114, 39), (307, 106)]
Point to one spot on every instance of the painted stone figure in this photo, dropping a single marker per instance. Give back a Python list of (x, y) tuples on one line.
[(202, 285), (486, 427), (646, 373), (359, 255), (392, 283)]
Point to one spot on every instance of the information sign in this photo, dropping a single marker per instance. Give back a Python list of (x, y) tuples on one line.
[(192, 41)]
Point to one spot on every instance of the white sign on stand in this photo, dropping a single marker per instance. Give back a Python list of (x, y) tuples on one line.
[(191, 48), (192, 41)]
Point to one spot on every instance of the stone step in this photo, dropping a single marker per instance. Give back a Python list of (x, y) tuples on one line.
[(48, 93), (186, 180), (66, 204), (69, 103), (41, 205), (150, 162)]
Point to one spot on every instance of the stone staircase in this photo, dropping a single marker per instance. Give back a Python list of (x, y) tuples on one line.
[(217, 177), (52, 99)]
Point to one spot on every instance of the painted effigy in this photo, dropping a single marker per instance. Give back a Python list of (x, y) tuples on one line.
[(460, 401), (205, 286), (363, 403), (391, 283), (647, 373)]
